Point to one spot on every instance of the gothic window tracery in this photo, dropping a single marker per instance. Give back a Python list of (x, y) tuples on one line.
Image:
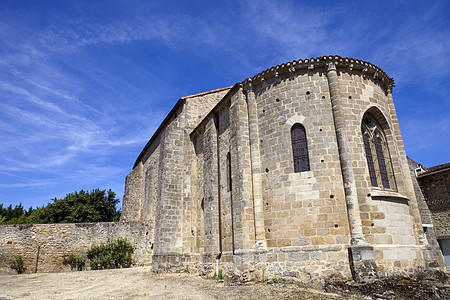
[(377, 154), (299, 148)]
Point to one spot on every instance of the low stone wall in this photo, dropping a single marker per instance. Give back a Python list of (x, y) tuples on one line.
[(56, 239)]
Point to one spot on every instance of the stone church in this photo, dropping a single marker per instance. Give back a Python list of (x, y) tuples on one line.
[(297, 171)]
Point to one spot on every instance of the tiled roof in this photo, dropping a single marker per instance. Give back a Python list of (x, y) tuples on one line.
[(437, 168)]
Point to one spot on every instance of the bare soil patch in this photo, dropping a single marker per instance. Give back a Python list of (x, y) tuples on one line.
[(142, 283)]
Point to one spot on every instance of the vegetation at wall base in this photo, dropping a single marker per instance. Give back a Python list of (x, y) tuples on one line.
[(275, 279), (17, 264), (78, 207), (112, 254), (75, 261), (216, 276)]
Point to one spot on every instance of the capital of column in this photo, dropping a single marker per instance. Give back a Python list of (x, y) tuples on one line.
[(389, 89), (248, 87), (331, 66)]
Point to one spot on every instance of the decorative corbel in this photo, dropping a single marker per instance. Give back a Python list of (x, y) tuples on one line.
[(364, 71), (248, 87), (292, 72)]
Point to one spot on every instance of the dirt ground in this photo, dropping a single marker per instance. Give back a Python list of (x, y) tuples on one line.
[(142, 283)]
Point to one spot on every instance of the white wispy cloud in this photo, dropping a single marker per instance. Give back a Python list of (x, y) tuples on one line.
[(45, 83), (417, 50), (426, 132), (20, 185), (75, 34), (7, 87)]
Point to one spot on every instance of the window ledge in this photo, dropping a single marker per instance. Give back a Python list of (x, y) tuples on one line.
[(387, 195)]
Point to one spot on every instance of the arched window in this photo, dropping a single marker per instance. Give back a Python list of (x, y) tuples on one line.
[(299, 148), (377, 154)]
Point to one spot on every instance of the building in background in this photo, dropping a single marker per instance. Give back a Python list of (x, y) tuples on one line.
[(432, 187)]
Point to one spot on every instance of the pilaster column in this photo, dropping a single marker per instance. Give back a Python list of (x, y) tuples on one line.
[(345, 156), (258, 202), (241, 166), (414, 208)]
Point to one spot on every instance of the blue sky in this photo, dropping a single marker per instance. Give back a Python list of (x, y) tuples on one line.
[(84, 84)]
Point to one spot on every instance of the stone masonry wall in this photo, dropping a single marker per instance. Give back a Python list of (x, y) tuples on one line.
[(306, 208), (442, 221), (56, 239), (169, 211), (132, 206)]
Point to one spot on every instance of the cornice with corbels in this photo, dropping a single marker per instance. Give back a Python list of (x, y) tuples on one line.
[(329, 62)]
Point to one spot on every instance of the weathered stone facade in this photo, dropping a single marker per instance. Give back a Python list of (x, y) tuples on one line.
[(217, 180), (54, 240)]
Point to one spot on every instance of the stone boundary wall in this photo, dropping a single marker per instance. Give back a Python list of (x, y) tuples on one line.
[(56, 239)]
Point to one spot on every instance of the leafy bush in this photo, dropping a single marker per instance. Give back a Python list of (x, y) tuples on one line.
[(75, 261), (17, 264), (113, 254)]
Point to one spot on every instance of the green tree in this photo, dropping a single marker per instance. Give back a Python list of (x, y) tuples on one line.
[(16, 215), (12, 213), (35, 216), (78, 207), (82, 206)]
